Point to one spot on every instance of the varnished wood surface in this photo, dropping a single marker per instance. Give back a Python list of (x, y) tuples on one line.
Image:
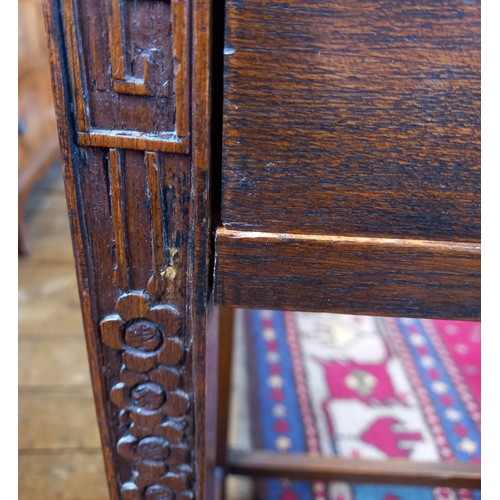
[(140, 223), (348, 275), (132, 82), (225, 341), (320, 468), (143, 100), (354, 118)]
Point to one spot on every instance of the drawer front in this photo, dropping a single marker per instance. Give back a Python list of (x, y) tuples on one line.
[(352, 117)]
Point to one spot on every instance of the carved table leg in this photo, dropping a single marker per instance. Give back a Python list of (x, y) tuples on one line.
[(135, 155)]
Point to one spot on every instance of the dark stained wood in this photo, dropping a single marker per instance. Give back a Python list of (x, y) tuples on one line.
[(200, 243), (351, 177), (226, 325), (136, 166), (322, 468), (348, 275), (156, 61), (349, 183), (68, 152), (225, 341), (353, 117)]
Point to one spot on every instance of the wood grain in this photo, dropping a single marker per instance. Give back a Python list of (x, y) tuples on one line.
[(355, 118), (139, 216), (348, 275), (54, 362), (320, 468), (112, 46), (65, 476), (74, 428), (363, 135), (225, 365), (43, 284)]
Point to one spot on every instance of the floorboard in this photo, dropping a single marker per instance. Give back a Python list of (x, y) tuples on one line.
[(59, 451)]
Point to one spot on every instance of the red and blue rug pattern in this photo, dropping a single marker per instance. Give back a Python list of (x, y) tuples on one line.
[(364, 387)]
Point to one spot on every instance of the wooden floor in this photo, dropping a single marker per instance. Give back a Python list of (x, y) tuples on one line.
[(59, 450)]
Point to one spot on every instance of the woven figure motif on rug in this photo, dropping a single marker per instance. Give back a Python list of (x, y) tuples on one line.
[(364, 387)]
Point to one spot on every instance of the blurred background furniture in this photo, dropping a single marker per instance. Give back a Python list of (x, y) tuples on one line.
[(38, 145)]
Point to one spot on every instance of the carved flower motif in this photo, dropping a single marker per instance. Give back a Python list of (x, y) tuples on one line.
[(148, 402), (145, 334), (152, 455), (130, 491)]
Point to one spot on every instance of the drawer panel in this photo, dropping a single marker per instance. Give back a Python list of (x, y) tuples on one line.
[(352, 117)]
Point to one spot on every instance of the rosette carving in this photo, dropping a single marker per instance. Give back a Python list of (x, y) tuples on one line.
[(153, 405), (147, 335)]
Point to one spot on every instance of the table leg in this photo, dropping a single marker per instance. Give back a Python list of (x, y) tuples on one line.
[(139, 209)]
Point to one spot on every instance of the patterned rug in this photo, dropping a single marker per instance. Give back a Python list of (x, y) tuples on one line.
[(363, 387)]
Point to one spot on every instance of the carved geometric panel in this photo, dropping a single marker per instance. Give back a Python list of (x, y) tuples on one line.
[(129, 74)]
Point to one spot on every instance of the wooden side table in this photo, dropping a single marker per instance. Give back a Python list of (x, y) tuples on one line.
[(257, 154)]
